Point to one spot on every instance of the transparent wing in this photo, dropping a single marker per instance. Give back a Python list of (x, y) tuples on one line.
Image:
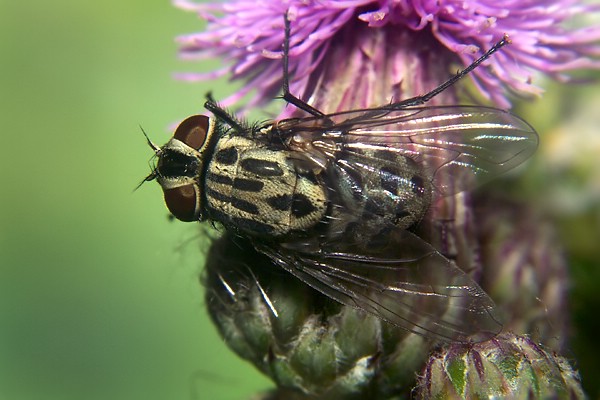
[(447, 142), (366, 261), (400, 279)]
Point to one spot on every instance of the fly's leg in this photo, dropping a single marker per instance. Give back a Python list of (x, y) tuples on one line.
[(418, 100), (221, 114), (287, 96), (411, 102)]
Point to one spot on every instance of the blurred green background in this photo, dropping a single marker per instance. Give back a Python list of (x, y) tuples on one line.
[(99, 293)]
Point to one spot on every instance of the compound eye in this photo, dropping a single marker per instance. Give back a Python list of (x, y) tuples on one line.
[(192, 131), (183, 202)]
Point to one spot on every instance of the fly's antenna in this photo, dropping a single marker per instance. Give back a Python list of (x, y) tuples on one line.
[(154, 174), (154, 147)]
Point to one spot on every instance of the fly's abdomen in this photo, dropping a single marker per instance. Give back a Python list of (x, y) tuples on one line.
[(260, 191), (375, 190)]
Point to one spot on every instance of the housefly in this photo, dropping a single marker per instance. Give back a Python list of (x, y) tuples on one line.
[(333, 198)]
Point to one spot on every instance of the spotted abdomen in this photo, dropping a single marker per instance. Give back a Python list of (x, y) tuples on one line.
[(260, 191)]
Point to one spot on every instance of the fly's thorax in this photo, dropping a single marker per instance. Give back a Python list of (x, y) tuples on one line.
[(261, 191)]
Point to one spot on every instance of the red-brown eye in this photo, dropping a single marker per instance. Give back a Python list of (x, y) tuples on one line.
[(183, 202), (192, 131)]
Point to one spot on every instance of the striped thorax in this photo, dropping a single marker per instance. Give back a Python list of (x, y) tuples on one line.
[(207, 172)]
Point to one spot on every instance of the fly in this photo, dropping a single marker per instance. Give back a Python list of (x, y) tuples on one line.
[(332, 198)]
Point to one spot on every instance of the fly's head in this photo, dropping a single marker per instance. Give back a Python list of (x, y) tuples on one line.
[(180, 167)]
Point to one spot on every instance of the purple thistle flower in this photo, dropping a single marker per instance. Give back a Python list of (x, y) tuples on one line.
[(326, 35), (350, 54)]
